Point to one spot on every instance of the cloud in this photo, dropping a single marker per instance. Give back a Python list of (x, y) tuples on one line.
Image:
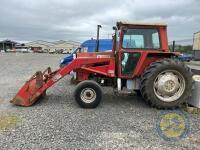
[(26, 20)]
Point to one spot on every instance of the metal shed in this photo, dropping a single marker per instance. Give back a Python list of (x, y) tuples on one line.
[(7, 44), (196, 46)]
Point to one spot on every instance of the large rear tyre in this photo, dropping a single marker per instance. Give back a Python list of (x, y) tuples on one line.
[(166, 83), (88, 94)]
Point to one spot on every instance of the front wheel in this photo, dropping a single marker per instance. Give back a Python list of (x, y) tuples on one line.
[(88, 94), (166, 83)]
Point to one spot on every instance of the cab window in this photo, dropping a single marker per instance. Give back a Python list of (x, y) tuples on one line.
[(141, 39)]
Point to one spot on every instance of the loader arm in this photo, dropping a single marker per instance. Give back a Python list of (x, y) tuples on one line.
[(75, 64), (40, 82)]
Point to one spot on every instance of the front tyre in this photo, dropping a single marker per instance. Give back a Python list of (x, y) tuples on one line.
[(166, 83), (88, 94)]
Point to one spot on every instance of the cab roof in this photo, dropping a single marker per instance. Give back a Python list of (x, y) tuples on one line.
[(125, 23)]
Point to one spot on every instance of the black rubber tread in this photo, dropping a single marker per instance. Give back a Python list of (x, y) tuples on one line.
[(151, 72), (88, 84), (137, 92)]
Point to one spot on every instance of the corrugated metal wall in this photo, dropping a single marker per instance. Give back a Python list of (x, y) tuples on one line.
[(196, 43), (196, 54), (196, 46)]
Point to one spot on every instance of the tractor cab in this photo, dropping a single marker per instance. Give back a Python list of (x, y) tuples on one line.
[(140, 36), (136, 42)]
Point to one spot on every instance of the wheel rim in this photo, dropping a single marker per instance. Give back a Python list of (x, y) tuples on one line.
[(169, 85), (88, 95)]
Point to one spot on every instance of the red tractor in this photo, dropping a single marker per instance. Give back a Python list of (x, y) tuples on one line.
[(140, 61)]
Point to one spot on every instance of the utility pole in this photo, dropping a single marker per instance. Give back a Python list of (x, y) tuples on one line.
[(97, 41)]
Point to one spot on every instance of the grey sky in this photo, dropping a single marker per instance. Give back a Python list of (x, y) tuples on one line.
[(26, 20)]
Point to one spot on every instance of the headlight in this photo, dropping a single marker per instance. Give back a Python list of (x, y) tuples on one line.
[(74, 56), (61, 61)]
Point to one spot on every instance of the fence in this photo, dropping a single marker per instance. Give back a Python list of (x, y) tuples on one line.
[(183, 46)]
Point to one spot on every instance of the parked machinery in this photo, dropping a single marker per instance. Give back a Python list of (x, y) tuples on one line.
[(140, 61)]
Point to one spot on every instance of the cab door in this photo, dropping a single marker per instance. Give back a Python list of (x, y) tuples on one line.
[(127, 63), (129, 54), (134, 42)]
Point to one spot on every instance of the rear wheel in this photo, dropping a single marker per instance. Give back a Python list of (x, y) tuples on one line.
[(166, 83), (88, 94)]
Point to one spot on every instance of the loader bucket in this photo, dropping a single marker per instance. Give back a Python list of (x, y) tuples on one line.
[(30, 92)]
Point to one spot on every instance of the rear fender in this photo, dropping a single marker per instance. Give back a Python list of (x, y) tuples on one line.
[(148, 58)]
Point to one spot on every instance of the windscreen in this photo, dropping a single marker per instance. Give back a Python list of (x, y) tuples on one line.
[(141, 38)]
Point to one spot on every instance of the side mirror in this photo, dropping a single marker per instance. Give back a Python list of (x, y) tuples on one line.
[(114, 28)]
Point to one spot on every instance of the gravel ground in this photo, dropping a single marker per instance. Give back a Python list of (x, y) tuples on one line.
[(57, 122)]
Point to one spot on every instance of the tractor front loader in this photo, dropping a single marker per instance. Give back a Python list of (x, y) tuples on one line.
[(140, 61)]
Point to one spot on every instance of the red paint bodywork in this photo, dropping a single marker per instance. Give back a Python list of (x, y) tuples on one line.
[(147, 55), (104, 64), (33, 89)]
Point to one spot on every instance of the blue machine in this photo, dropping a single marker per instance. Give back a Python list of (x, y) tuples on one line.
[(67, 59), (88, 46), (185, 57), (104, 44)]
